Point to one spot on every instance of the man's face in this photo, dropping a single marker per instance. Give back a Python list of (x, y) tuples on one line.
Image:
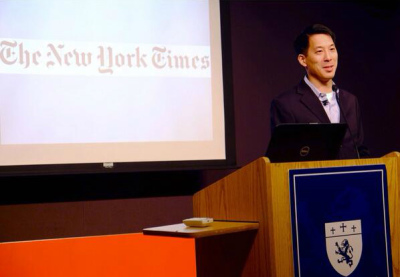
[(321, 59)]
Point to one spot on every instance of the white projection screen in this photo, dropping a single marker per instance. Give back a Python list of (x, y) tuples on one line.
[(111, 81)]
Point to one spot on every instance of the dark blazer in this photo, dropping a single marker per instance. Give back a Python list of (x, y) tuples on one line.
[(301, 105)]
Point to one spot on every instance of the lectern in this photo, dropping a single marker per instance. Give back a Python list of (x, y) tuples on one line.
[(259, 192)]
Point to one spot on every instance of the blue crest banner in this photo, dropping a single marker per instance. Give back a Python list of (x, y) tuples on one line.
[(340, 222)]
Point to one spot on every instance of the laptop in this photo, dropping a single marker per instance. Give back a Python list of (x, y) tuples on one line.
[(306, 142)]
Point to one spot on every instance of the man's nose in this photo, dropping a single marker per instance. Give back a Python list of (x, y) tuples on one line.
[(327, 56)]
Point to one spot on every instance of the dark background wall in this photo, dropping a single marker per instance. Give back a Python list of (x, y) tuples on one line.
[(263, 65)]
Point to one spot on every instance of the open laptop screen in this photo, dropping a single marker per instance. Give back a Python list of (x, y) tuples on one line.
[(306, 142)]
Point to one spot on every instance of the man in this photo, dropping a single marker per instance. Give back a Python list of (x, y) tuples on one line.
[(317, 99)]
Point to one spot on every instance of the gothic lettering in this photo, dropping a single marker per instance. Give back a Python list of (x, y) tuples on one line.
[(11, 54)]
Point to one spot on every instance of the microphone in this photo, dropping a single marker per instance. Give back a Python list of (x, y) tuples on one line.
[(336, 91), (323, 99)]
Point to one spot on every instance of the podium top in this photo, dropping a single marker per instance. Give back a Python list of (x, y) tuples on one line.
[(216, 228)]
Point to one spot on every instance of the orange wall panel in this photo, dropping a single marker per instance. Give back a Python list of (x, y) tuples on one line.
[(102, 256)]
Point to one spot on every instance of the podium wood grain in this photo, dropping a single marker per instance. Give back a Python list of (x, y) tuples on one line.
[(260, 192)]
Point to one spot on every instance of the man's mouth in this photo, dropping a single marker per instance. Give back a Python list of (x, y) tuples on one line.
[(329, 67)]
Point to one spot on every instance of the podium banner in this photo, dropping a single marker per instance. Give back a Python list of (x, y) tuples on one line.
[(340, 222)]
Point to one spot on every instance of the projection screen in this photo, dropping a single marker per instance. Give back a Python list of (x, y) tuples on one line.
[(110, 81)]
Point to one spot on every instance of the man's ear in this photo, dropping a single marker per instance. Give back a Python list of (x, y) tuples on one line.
[(302, 60)]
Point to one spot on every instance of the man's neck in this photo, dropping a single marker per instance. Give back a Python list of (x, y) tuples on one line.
[(323, 87)]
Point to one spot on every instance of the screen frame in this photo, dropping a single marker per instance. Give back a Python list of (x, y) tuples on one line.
[(119, 167)]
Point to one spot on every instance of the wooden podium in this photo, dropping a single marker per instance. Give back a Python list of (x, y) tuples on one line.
[(259, 192)]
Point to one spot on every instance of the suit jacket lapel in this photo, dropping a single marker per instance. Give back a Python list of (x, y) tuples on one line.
[(342, 106), (311, 101)]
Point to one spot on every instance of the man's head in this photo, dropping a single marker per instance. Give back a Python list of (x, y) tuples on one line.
[(316, 52), (301, 43)]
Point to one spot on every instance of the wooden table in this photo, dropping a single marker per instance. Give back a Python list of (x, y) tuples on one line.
[(216, 228)]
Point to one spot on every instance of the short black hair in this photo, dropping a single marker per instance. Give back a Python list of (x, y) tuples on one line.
[(301, 43)]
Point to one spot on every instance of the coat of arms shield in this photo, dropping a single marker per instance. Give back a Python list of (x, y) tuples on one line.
[(344, 245)]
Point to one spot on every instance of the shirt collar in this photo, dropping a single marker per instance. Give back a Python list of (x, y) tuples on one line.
[(316, 91)]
